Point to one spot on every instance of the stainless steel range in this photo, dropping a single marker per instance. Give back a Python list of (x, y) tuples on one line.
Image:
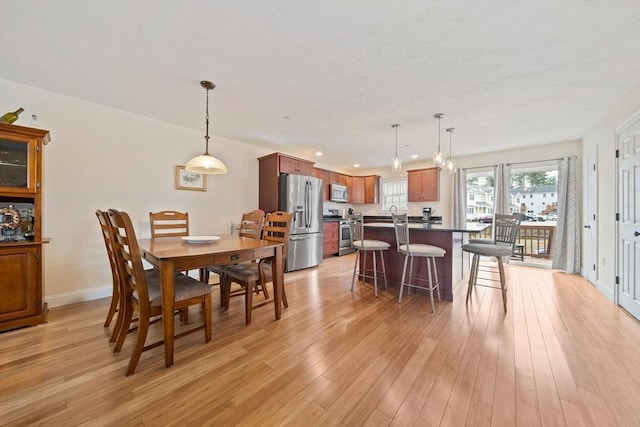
[(344, 236)]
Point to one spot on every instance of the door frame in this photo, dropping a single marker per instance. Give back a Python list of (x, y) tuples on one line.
[(591, 219)]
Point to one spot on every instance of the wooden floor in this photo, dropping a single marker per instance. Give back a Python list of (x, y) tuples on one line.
[(562, 355)]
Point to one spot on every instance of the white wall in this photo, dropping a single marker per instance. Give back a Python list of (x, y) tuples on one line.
[(101, 158), (602, 136)]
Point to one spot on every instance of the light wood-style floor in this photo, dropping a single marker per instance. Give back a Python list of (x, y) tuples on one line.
[(562, 355)]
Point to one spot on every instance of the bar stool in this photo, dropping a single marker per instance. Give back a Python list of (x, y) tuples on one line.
[(411, 251), (505, 234), (360, 244)]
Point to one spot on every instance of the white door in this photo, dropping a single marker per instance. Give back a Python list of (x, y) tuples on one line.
[(590, 222), (628, 141)]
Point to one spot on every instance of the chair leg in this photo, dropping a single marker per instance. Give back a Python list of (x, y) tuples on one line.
[(284, 297), (248, 303), (435, 270), (355, 264), (404, 272), (118, 326), (143, 327), (184, 316), (206, 307), (384, 271), (433, 307), (503, 284), (115, 299), (472, 273), (363, 266), (375, 275), (127, 315), (411, 260)]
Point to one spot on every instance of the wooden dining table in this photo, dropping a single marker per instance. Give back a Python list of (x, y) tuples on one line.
[(172, 254)]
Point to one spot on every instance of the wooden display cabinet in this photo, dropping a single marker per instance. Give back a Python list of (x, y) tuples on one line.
[(423, 185), (21, 259)]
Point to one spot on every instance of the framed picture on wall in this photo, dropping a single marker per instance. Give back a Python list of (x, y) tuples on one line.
[(186, 180)]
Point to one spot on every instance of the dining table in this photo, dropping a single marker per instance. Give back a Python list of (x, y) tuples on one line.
[(172, 254)]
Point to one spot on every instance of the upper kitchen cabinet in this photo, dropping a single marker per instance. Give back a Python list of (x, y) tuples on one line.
[(19, 169), (423, 185), (295, 166), (324, 175), (349, 183), (337, 178), (365, 189), (270, 168)]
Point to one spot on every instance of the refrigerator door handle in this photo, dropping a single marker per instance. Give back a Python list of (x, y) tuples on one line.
[(305, 236), (307, 201)]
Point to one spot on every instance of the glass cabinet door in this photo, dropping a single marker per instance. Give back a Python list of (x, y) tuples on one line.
[(17, 159)]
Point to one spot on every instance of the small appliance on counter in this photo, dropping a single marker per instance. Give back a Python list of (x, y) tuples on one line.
[(428, 218)]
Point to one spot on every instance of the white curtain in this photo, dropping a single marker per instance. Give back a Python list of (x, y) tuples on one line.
[(502, 175), (459, 198), (566, 240)]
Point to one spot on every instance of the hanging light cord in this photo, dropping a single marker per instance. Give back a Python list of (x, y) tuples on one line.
[(206, 137), (396, 126)]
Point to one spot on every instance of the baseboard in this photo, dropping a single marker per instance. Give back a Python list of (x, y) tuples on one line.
[(606, 290), (67, 298)]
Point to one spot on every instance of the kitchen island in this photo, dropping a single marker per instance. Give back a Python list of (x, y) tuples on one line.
[(451, 268)]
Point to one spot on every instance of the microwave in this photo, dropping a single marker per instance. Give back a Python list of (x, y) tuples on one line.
[(338, 193)]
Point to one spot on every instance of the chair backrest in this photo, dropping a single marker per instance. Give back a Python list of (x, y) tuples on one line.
[(169, 224), (356, 225), (276, 229), (252, 224), (129, 260), (107, 235), (401, 226), (506, 228)]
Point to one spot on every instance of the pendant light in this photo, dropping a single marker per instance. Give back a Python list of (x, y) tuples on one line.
[(438, 156), (206, 163), (449, 165), (396, 164)]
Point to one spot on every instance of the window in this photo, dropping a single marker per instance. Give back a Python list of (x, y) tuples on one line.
[(471, 197), (544, 194), (531, 196), (394, 192)]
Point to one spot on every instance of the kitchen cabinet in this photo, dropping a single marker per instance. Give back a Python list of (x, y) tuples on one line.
[(371, 189), (337, 178), (423, 185), (324, 175), (295, 166), (331, 239), (349, 183), (21, 260), (269, 169), (365, 189)]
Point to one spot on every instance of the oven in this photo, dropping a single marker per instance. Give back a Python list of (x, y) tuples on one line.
[(344, 237)]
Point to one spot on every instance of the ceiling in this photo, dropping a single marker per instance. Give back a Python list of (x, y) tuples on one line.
[(332, 76)]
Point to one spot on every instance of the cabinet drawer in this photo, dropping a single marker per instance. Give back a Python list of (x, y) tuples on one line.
[(231, 258)]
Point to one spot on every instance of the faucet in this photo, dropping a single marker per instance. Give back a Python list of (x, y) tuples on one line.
[(395, 209)]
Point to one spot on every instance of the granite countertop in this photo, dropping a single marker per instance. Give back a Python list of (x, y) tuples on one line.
[(467, 228)]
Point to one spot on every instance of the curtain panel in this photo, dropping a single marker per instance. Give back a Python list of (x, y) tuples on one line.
[(566, 241)]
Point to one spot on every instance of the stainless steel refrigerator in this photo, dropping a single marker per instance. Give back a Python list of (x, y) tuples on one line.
[(302, 196)]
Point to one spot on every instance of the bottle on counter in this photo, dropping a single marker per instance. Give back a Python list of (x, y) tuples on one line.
[(11, 116)]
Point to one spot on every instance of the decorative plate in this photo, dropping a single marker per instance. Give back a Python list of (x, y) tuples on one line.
[(200, 239)]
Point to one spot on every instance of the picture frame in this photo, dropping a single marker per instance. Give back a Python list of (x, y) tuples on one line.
[(186, 180)]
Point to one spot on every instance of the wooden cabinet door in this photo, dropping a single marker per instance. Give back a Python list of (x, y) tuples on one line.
[(324, 176), (331, 243), (349, 183), (371, 185), (338, 178), (288, 165), (423, 185), (19, 284), (357, 193), (305, 168)]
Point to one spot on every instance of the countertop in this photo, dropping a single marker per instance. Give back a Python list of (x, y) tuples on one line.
[(473, 227)]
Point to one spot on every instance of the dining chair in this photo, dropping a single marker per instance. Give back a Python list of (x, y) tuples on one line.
[(362, 245), (416, 250), (252, 276), (144, 298), (506, 229), (169, 224), (251, 226)]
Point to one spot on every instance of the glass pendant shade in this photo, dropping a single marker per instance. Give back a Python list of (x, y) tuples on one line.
[(396, 163), (438, 158), (449, 165), (206, 163)]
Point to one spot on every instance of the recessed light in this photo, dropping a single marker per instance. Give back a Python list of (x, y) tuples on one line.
[(286, 117), (318, 153), (356, 165), (414, 156)]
